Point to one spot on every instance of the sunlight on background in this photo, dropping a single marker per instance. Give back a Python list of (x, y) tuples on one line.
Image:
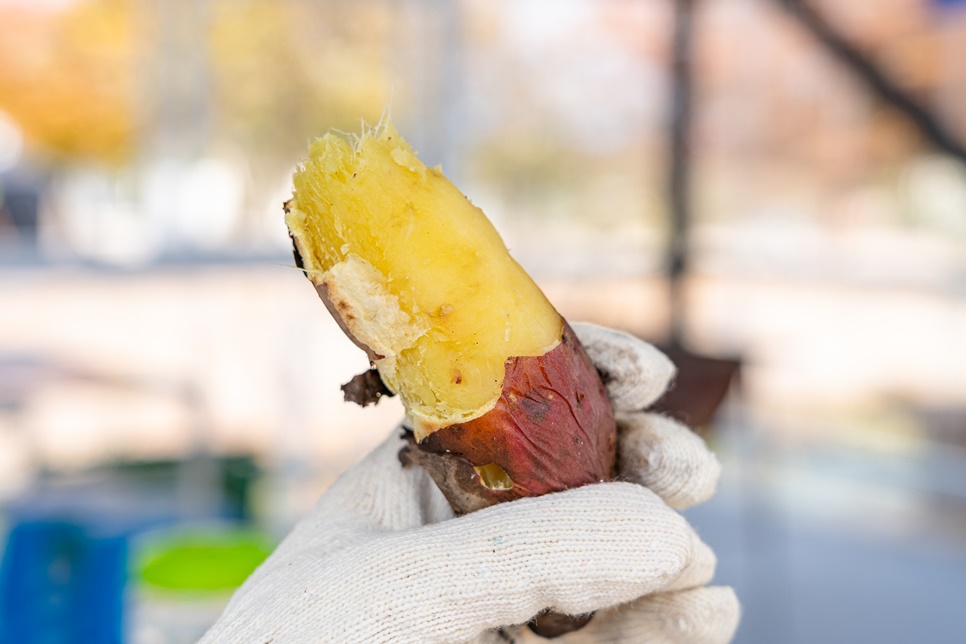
[(165, 371)]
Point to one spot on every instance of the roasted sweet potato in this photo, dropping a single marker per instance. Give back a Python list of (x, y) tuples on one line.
[(502, 400)]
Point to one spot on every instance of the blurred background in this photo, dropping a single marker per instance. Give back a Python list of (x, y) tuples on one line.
[(774, 190)]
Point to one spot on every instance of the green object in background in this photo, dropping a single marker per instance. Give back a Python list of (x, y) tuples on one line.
[(209, 560)]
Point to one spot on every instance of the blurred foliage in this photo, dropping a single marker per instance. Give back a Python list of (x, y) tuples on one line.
[(66, 77), (284, 71), (79, 79)]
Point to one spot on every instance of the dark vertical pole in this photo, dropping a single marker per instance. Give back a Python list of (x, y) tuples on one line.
[(680, 171)]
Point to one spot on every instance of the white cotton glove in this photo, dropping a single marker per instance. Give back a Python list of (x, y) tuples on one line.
[(382, 558)]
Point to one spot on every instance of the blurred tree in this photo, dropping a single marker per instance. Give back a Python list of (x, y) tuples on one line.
[(66, 78), (279, 72), (283, 72), (286, 71)]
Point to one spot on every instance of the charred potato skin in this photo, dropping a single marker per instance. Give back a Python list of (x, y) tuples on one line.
[(552, 428)]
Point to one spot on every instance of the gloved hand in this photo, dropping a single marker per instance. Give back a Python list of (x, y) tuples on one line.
[(382, 558)]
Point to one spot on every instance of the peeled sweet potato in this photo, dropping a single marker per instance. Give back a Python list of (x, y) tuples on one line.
[(418, 277), (501, 397)]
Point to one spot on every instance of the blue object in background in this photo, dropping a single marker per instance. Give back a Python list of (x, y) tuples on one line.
[(61, 584), (64, 570), (65, 565)]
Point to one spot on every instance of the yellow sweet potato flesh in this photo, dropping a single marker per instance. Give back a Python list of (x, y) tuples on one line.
[(417, 274)]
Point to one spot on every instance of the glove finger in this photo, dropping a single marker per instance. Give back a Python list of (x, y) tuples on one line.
[(576, 552), (666, 457), (699, 571), (635, 373), (707, 615)]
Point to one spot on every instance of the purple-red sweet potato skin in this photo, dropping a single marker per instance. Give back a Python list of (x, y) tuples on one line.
[(552, 429)]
